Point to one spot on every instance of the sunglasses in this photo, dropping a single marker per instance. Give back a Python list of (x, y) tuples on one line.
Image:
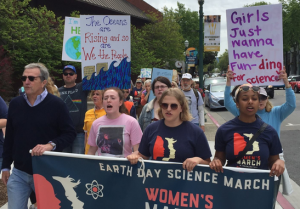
[(31, 78), (165, 106), (66, 74), (263, 98)]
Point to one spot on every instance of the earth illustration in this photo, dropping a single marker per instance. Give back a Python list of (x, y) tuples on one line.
[(73, 47)]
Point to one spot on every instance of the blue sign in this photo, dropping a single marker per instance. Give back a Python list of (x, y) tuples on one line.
[(78, 181)]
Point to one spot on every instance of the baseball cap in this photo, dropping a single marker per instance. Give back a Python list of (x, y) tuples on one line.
[(187, 75), (138, 80), (263, 92), (71, 67)]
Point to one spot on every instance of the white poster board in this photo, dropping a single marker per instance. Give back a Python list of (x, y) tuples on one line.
[(255, 44), (105, 51), (72, 44), (146, 72)]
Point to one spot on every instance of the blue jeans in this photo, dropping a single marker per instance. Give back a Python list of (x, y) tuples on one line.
[(77, 146), (19, 187)]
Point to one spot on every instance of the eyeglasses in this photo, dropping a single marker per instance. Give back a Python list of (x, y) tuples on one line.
[(31, 78), (166, 105), (158, 87), (66, 74)]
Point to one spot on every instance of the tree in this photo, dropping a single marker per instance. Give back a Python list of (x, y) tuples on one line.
[(30, 35), (257, 4), (156, 44), (223, 61)]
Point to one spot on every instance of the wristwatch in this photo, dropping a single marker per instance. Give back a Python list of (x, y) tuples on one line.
[(52, 144)]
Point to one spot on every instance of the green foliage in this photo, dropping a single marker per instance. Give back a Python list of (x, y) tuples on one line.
[(30, 35), (257, 4), (156, 44), (223, 61)]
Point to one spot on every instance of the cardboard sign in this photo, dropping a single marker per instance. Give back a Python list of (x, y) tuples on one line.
[(255, 45), (72, 42), (105, 51)]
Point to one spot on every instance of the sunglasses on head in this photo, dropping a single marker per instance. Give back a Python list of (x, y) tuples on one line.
[(247, 88), (31, 78), (66, 74), (166, 105)]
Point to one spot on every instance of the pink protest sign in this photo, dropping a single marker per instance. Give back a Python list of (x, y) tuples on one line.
[(255, 45)]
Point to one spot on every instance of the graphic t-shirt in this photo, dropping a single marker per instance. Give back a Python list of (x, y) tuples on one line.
[(192, 102), (233, 136), (115, 137), (76, 101), (174, 144), (136, 94)]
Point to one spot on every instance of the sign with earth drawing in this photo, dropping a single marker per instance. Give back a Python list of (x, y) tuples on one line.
[(105, 48), (72, 44)]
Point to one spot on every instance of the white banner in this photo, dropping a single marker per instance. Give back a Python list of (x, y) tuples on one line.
[(212, 28)]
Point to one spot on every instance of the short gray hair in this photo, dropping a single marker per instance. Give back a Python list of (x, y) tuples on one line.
[(44, 73), (148, 81)]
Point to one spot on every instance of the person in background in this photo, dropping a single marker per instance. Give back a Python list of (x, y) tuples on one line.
[(149, 113), (174, 84), (3, 120), (129, 104), (136, 93), (76, 100), (197, 87), (116, 134), (194, 99), (92, 114), (264, 153), (51, 88), (146, 92), (174, 131), (273, 116)]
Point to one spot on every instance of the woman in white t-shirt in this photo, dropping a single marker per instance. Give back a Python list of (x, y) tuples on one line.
[(115, 134)]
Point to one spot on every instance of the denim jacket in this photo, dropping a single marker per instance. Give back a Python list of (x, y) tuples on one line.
[(146, 115)]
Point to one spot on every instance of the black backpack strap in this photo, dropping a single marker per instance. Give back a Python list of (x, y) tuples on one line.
[(196, 95), (248, 146)]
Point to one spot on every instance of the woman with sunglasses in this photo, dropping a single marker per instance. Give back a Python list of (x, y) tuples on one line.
[(92, 114), (149, 113), (232, 137), (273, 116), (174, 138), (115, 128)]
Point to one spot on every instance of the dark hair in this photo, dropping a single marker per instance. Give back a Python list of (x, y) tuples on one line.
[(122, 108), (161, 79), (233, 92)]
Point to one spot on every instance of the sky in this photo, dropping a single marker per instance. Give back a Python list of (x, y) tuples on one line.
[(210, 7)]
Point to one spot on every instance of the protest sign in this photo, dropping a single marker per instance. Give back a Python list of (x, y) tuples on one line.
[(160, 72), (72, 44), (106, 52), (255, 45), (212, 28), (82, 181), (146, 72)]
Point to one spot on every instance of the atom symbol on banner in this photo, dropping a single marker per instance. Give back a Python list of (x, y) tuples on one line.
[(94, 189)]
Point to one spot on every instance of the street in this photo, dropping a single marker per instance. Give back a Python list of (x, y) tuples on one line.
[(290, 132)]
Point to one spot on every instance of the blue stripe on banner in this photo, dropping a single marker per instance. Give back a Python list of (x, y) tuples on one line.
[(69, 182)]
